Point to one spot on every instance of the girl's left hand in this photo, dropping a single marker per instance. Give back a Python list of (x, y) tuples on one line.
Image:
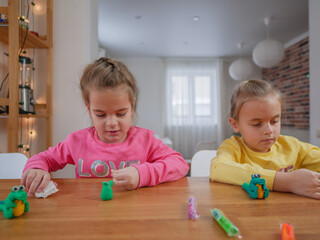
[(126, 177)]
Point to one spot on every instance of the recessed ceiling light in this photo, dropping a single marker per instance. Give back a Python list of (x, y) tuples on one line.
[(196, 18)]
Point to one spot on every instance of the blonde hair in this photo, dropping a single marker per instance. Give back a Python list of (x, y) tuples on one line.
[(248, 90), (107, 73)]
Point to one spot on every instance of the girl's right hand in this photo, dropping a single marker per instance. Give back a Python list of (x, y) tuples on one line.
[(126, 177), (35, 180), (302, 182)]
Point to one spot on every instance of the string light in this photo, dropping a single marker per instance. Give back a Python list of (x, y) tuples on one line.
[(38, 8), (23, 19), (32, 133), (24, 22), (23, 146)]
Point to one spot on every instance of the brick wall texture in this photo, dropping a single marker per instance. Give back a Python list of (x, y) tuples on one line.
[(291, 77)]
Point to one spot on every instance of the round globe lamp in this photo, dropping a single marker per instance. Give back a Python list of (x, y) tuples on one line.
[(241, 69), (268, 53)]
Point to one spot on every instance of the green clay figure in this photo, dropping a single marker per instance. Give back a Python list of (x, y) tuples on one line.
[(257, 187), (16, 203), (106, 192)]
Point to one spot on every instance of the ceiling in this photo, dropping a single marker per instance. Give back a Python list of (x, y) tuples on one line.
[(166, 28)]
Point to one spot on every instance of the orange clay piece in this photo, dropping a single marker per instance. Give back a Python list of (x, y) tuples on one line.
[(19, 209), (260, 191), (287, 232)]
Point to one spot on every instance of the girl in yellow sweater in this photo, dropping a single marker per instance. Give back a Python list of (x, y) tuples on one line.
[(287, 164)]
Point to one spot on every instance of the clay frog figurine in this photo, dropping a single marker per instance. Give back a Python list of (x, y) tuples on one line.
[(16, 203), (257, 187), (106, 192)]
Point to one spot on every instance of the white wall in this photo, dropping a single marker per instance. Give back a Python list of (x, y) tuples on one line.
[(150, 77), (75, 45), (314, 56)]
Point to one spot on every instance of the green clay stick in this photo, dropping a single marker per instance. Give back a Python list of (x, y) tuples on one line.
[(225, 223)]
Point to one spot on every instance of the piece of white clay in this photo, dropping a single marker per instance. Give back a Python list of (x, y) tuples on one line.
[(50, 189)]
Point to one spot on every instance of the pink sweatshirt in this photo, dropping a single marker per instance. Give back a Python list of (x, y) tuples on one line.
[(155, 161)]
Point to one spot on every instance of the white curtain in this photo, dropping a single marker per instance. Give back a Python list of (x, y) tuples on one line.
[(192, 111)]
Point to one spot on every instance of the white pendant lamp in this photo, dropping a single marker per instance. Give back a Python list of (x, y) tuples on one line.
[(269, 52), (240, 69)]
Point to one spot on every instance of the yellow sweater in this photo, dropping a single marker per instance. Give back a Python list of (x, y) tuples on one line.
[(235, 162)]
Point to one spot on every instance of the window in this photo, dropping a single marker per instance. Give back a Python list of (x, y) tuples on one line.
[(202, 96), (191, 105), (191, 97)]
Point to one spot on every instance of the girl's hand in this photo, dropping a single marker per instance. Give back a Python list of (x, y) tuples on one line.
[(301, 182), (126, 177), (35, 180)]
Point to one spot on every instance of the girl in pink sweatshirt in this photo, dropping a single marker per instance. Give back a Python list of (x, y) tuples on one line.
[(112, 147)]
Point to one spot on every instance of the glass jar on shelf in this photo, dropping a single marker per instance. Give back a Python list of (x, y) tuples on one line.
[(26, 101)]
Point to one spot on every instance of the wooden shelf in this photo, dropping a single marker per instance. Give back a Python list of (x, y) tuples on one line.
[(25, 116), (4, 10), (13, 35), (32, 40), (41, 106), (38, 106), (4, 101)]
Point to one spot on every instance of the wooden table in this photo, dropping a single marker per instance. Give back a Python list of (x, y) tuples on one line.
[(161, 212)]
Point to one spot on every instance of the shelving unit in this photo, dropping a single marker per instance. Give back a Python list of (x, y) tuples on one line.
[(11, 36)]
